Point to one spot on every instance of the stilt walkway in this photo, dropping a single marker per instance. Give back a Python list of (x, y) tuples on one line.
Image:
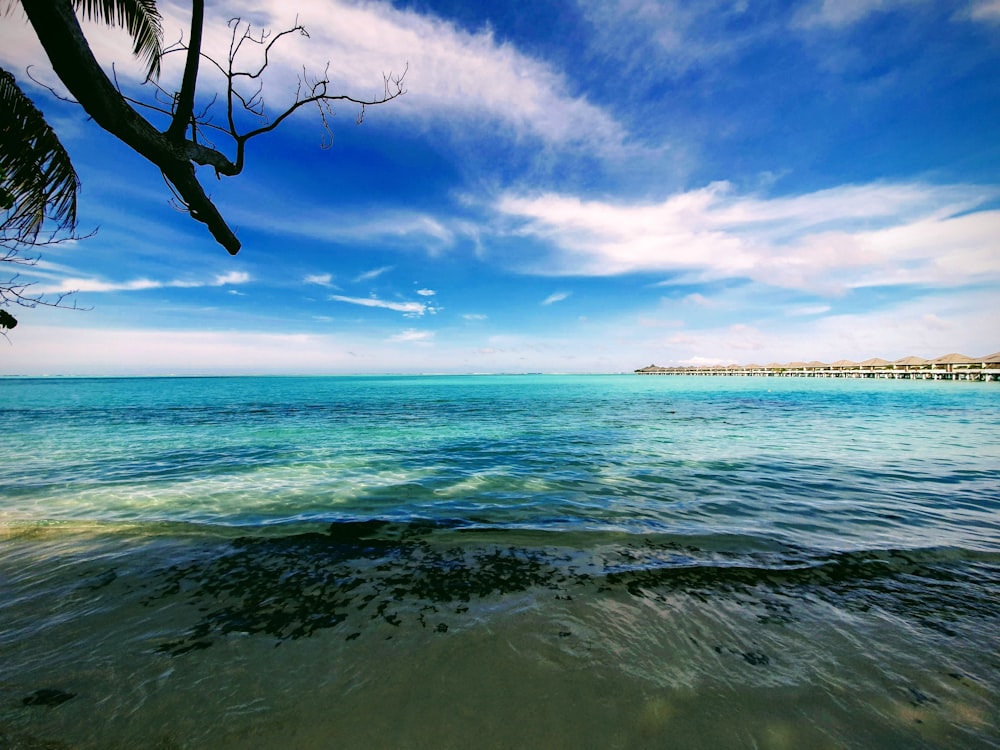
[(948, 367)]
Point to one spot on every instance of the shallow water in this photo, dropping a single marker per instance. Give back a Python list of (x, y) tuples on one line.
[(499, 562)]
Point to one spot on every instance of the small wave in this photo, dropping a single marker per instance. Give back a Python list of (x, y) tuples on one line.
[(290, 585)]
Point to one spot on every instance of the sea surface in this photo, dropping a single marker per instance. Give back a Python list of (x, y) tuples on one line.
[(499, 562)]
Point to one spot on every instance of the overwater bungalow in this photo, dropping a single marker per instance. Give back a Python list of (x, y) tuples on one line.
[(910, 363), (954, 362), (948, 367), (875, 363)]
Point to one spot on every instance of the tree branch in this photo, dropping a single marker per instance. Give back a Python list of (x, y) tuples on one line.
[(59, 32), (176, 151), (13, 291), (185, 98)]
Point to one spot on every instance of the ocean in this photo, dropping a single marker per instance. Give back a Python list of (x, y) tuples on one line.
[(499, 562)]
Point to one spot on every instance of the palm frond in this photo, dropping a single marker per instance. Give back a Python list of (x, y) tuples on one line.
[(139, 17), (37, 178)]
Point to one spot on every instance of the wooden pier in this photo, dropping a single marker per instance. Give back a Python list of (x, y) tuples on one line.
[(948, 367)]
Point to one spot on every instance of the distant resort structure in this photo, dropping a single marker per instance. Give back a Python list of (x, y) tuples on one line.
[(948, 367)]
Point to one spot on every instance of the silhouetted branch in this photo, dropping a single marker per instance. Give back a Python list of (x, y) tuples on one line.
[(177, 149), (13, 290), (185, 97)]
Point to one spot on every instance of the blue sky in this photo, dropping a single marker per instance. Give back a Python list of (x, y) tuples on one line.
[(567, 186)]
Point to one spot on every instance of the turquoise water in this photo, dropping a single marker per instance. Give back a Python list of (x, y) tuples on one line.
[(522, 561)]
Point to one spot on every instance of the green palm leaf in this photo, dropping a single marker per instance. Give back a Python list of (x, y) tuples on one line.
[(37, 179), (139, 17)]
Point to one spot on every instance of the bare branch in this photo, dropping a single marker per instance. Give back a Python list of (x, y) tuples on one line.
[(13, 290), (50, 89), (318, 93), (178, 149)]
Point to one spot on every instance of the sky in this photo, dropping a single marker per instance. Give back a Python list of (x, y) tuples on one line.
[(566, 186)]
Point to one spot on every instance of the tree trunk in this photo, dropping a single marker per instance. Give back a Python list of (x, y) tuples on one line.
[(58, 30)]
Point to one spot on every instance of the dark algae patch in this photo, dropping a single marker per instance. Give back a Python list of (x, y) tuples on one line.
[(429, 574), (47, 697), (290, 587)]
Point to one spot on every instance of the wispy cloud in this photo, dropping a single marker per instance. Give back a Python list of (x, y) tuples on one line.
[(555, 297), (841, 13), (985, 10), (426, 292), (413, 335), (896, 331), (322, 279), (806, 310), (446, 65), (698, 299), (393, 227), (410, 309), (373, 274), (829, 241), (474, 316), (93, 284), (671, 35), (233, 277)]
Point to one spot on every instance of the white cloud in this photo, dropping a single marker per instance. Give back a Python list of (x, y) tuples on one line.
[(699, 299), (827, 241), (900, 330), (80, 284), (426, 292), (670, 35), (413, 335), (474, 316), (555, 297), (807, 310), (233, 277), (373, 274), (985, 10), (97, 350), (842, 13), (322, 279), (845, 12), (451, 74), (928, 326), (404, 228), (412, 309)]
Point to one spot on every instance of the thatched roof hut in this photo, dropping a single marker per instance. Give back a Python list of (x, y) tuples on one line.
[(952, 366), (955, 359), (911, 362), (875, 362)]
